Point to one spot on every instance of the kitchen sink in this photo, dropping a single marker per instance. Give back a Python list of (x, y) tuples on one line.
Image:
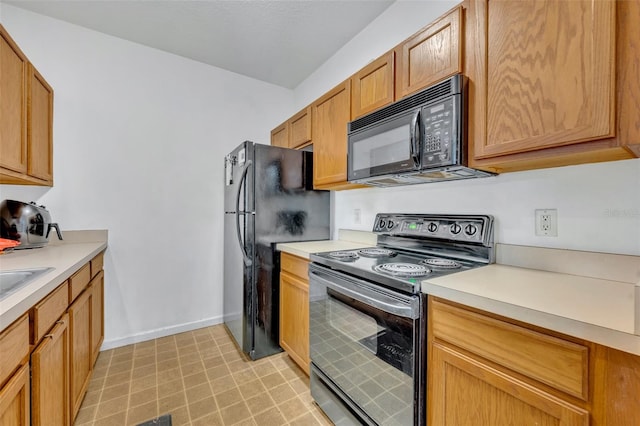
[(12, 281)]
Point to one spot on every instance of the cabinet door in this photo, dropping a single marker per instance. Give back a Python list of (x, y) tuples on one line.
[(97, 315), (294, 319), (464, 391), (300, 128), (13, 105), (373, 86), (280, 135), (544, 74), (331, 113), (431, 55), (14, 400), (80, 349), (40, 128), (50, 375)]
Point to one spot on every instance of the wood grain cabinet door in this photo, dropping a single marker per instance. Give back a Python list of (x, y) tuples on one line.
[(280, 135), (13, 105), (40, 128), (544, 76), (373, 86), (331, 113), (15, 401), (97, 315), (300, 129), (294, 319), (431, 55), (50, 378), (464, 391), (80, 351)]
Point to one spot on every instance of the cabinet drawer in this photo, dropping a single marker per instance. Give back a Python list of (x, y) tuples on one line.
[(47, 312), (294, 265), (79, 281), (14, 347), (550, 360), (97, 263)]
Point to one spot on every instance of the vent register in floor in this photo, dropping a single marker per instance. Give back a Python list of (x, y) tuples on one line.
[(198, 378)]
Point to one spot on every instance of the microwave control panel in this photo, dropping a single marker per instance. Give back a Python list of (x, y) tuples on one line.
[(441, 134)]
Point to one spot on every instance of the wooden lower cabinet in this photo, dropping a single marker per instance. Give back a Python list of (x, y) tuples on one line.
[(49, 377), (487, 370), (294, 309), (466, 391), (80, 353), (14, 400), (97, 315), (63, 348)]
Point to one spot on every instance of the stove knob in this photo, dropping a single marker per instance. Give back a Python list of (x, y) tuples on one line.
[(381, 224), (390, 224), (432, 227), (470, 229), (455, 229)]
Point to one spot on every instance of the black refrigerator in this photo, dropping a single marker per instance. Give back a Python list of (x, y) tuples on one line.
[(269, 199)]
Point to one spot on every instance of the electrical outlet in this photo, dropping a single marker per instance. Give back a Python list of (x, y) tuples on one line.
[(357, 217), (547, 222)]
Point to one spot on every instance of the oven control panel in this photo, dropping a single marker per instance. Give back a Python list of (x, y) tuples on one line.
[(464, 228)]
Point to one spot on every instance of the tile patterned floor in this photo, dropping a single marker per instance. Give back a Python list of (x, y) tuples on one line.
[(200, 378)]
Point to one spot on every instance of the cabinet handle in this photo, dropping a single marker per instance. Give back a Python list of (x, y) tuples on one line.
[(60, 322), (49, 336)]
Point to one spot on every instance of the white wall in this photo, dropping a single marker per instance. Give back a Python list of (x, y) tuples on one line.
[(139, 140), (598, 204)]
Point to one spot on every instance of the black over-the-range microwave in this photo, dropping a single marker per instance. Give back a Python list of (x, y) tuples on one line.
[(418, 139)]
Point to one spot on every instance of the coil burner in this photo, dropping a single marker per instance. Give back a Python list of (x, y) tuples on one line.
[(344, 256), (376, 252), (441, 263), (402, 269)]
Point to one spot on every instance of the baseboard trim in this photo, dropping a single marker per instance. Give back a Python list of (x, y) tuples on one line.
[(160, 332)]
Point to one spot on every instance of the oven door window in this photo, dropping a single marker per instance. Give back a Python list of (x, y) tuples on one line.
[(367, 353)]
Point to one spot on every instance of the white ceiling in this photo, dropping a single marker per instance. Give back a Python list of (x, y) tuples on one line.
[(277, 41)]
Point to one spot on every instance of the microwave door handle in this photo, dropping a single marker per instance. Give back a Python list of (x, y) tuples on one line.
[(415, 139)]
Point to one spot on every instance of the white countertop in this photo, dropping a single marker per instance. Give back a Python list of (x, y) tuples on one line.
[(348, 240), (592, 307), (66, 257)]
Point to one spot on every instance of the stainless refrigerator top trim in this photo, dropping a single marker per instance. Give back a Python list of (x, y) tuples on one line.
[(247, 260), (392, 303)]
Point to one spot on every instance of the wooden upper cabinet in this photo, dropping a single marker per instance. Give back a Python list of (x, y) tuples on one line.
[(280, 135), (373, 86), (543, 78), (13, 105), (431, 55), (40, 127), (300, 129), (331, 113), (295, 132), (26, 119)]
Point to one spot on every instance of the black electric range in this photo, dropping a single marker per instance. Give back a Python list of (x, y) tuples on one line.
[(415, 247)]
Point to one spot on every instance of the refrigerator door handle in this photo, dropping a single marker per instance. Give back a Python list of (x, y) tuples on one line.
[(247, 260)]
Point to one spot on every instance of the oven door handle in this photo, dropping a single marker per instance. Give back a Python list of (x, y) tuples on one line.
[(367, 295)]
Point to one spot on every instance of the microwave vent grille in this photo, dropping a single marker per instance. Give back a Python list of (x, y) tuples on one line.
[(445, 88)]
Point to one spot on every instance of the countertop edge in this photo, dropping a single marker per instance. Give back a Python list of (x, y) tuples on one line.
[(612, 338)]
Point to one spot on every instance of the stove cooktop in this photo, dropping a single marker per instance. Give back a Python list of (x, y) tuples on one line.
[(400, 270), (415, 247)]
